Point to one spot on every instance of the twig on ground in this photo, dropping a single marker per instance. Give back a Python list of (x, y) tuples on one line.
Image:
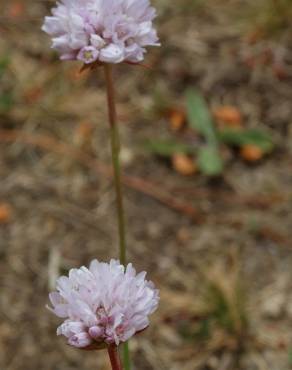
[(50, 143)]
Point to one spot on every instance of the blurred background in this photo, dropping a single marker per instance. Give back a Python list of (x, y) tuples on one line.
[(206, 133)]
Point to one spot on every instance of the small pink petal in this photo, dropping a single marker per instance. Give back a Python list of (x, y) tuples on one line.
[(80, 340), (96, 332)]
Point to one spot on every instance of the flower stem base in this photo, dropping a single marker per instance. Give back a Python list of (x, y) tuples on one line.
[(114, 358)]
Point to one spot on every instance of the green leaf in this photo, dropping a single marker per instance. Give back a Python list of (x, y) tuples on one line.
[(166, 148), (4, 63), (6, 102), (199, 117), (290, 356), (204, 330), (247, 137), (209, 161)]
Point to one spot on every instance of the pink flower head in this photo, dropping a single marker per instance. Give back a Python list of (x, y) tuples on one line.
[(105, 304), (108, 31)]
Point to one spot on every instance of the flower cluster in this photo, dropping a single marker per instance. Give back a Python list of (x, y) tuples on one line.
[(108, 31), (105, 304)]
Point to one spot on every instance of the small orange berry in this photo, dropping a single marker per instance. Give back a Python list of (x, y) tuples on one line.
[(184, 165), (251, 153)]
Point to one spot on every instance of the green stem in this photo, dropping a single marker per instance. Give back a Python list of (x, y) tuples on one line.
[(115, 147), (126, 356)]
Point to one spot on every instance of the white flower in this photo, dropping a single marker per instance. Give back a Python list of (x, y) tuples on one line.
[(112, 54), (103, 304), (117, 30), (88, 54)]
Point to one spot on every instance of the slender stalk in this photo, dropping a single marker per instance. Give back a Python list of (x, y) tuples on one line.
[(114, 358), (115, 147)]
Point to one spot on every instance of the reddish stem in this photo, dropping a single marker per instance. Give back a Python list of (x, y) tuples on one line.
[(114, 358)]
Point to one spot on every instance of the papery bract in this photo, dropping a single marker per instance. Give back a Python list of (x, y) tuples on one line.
[(109, 31), (103, 304)]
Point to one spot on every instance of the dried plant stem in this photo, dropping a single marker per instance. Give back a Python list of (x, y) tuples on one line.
[(114, 358), (115, 146)]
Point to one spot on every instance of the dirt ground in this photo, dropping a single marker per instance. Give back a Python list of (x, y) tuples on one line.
[(218, 249)]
